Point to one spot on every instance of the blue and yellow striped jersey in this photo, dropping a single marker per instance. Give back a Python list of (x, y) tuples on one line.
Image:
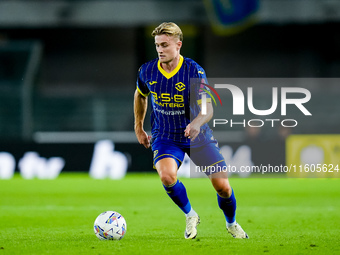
[(170, 92)]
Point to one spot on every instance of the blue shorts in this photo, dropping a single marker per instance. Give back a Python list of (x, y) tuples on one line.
[(204, 156)]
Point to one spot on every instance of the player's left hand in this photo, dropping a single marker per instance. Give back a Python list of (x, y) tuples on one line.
[(192, 131)]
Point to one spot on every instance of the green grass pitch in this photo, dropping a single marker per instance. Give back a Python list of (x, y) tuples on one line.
[(281, 216)]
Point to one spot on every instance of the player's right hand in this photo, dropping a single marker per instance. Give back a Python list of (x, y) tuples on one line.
[(143, 138)]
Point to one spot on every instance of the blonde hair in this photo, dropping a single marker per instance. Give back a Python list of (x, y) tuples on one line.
[(168, 28)]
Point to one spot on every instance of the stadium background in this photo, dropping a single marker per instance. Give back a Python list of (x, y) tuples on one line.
[(68, 71)]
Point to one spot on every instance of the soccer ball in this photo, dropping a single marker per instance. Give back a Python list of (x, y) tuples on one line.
[(110, 225)]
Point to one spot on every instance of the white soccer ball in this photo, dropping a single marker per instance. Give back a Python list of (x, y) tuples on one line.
[(110, 225)]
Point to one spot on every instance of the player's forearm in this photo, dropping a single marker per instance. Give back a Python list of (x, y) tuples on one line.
[(193, 129), (140, 108), (201, 119)]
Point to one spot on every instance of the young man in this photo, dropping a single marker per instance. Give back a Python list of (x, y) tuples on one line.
[(179, 127)]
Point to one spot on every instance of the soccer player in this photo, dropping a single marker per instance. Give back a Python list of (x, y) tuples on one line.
[(179, 126)]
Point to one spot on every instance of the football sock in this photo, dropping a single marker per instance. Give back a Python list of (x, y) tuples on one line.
[(231, 224), (228, 206), (191, 213), (178, 194)]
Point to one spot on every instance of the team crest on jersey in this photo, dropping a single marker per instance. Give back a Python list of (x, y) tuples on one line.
[(200, 72), (152, 82), (180, 86)]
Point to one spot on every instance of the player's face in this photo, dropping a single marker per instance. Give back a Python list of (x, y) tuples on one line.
[(167, 47)]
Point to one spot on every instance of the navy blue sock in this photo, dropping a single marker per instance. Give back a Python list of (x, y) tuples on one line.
[(178, 194), (228, 206)]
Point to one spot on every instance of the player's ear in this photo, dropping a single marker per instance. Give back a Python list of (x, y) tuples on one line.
[(179, 44)]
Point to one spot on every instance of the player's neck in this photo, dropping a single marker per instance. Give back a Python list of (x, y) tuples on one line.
[(171, 65)]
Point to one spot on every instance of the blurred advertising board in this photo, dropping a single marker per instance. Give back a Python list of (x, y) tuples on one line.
[(313, 156), (103, 159), (300, 156), (106, 159)]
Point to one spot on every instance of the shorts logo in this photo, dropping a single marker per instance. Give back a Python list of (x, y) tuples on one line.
[(200, 72), (155, 153), (180, 86), (152, 82)]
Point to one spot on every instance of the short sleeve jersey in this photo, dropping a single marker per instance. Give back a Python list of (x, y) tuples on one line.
[(170, 92)]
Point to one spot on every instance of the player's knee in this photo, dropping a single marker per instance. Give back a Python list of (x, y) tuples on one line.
[(168, 179), (167, 170), (223, 189)]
